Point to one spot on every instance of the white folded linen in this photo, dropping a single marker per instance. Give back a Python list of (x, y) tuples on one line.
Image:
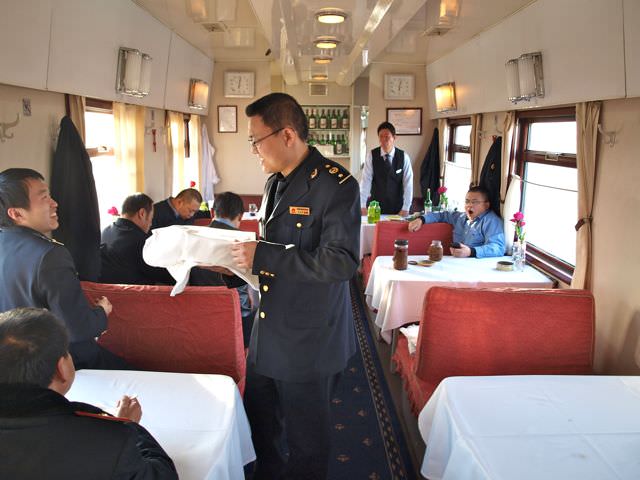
[(179, 248), (411, 332)]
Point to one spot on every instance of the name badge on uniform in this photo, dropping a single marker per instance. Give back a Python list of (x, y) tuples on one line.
[(299, 210)]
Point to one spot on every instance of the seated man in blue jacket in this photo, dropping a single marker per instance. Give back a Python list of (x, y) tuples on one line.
[(44, 435), (478, 230)]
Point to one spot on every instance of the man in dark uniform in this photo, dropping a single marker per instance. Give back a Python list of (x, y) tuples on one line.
[(122, 244), (387, 175), (42, 434), (179, 210), (36, 271), (304, 334), (228, 209)]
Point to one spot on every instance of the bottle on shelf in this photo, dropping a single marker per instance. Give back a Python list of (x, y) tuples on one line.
[(312, 118), (323, 120), (428, 204), (339, 119), (337, 149), (333, 119), (345, 119)]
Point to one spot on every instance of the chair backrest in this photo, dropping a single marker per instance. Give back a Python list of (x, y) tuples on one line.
[(387, 232), (197, 331), (250, 226), (466, 331), (202, 222)]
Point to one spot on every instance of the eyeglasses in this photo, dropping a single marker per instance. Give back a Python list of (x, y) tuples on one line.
[(473, 202), (254, 143)]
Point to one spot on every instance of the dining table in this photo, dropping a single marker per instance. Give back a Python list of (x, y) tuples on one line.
[(396, 296), (198, 419), (532, 427)]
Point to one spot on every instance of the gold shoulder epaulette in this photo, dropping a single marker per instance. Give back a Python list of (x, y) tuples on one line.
[(340, 173)]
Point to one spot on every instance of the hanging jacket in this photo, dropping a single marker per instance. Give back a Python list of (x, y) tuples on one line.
[(491, 174), (430, 168)]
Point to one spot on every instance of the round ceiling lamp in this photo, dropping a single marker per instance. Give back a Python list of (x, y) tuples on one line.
[(322, 59), (331, 15), (326, 42)]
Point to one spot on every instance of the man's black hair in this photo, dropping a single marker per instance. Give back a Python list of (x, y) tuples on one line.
[(481, 190), (189, 195), (135, 202), (32, 340), (14, 191), (388, 126), (279, 110), (228, 205)]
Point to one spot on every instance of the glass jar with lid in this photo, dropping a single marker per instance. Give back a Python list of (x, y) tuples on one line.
[(436, 251), (400, 254)]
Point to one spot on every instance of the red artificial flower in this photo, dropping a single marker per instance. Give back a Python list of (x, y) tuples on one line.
[(192, 184), (113, 211), (518, 216), (442, 190)]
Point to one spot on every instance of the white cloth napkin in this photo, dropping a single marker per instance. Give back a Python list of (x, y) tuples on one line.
[(179, 248), (411, 332)]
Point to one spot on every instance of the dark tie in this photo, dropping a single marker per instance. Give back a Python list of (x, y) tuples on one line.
[(280, 188), (387, 157)]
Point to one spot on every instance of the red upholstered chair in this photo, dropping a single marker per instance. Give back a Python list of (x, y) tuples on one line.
[(197, 331), (202, 222), (466, 331), (250, 226), (387, 232)]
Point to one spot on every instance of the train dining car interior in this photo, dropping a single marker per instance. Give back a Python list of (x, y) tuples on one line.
[(414, 269)]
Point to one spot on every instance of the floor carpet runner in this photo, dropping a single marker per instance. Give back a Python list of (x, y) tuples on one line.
[(367, 439)]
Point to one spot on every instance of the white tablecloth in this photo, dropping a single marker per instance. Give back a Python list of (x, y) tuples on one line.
[(366, 234), (533, 427), (198, 419), (397, 295)]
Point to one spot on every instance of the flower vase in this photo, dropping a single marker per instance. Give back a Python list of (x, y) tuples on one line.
[(519, 255)]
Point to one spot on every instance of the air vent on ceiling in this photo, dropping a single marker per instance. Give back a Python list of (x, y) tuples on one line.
[(215, 27), (318, 89)]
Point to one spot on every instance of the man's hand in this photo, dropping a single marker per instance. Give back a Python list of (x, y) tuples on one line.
[(363, 211), (105, 304), (243, 253), (403, 213), (415, 225), (463, 251), (129, 407)]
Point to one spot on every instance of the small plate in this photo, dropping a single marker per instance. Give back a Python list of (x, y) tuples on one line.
[(425, 263)]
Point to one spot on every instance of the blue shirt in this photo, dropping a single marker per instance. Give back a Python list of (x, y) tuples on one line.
[(485, 233)]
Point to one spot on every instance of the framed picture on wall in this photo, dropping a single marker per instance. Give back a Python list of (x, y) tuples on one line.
[(408, 121), (227, 118)]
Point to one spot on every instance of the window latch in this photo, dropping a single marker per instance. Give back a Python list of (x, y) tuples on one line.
[(551, 157)]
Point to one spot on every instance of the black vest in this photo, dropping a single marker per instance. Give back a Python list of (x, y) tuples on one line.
[(387, 183)]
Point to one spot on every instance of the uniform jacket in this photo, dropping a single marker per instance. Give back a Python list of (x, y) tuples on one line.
[(43, 435), (387, 183), (36, 271), (121, 255), (304, 328)]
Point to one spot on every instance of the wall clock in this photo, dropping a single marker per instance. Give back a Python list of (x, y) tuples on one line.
[(399, 86), (239, 84)]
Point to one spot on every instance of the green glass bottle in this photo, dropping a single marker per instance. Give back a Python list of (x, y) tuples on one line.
[(428, 204), (371, 212), (377, 210)]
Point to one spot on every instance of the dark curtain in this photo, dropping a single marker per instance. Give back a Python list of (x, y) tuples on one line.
[(73, 187), (430, 169), (490, 175)]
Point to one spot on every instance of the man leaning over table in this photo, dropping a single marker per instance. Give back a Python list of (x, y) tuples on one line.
[(44, 435), (477, 229)]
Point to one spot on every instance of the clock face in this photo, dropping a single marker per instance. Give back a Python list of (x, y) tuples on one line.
[(398, 86), (239, 84)]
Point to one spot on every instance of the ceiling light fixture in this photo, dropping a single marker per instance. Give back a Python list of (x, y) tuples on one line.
[(319, 76), (331, 15), (322, 60), (133, 76), (525, 79), (446, 97), (326, 42)]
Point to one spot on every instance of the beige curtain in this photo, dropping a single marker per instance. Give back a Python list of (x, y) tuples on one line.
[(510, 206), (76, 107), (587, 118), (174, 166), (476, 163), (129, 147), (443, 135), (508, 129), (195, 139)]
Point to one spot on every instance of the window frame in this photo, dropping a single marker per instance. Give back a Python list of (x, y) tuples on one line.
[(452, 147), (99, 106), (542, 259)]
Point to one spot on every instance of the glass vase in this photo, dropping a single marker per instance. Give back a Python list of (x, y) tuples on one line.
[(519, 255)]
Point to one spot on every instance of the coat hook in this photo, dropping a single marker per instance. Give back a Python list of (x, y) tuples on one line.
[(4, 127), (609, 136)]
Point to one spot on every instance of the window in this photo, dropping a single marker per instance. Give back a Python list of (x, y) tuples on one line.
[(546, 161), (100, 143), (457, 176)]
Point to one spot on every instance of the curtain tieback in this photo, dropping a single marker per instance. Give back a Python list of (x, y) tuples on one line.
[(581, 222)]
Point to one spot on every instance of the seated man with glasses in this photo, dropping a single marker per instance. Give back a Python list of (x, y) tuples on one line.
[(478, 230)]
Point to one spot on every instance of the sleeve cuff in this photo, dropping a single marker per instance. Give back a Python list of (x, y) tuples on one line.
[(473, 251)]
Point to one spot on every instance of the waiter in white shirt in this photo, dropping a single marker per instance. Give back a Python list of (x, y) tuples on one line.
[(387, 176)]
